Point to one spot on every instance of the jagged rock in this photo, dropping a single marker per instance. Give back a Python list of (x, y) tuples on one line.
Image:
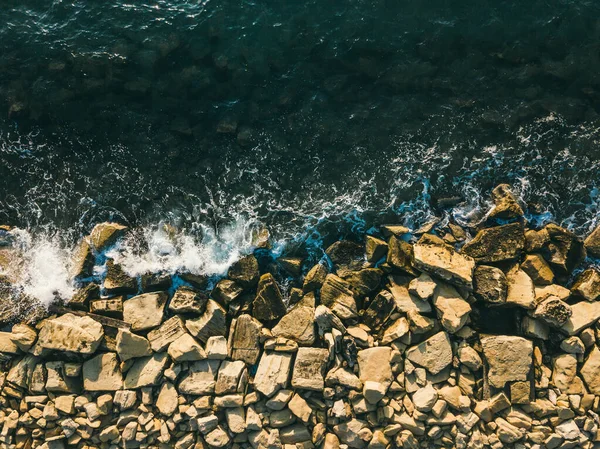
[(497, 244), (432, 255), (299, 323), (505, 203), (587, 285), (201, 378), (81, 299), (375, 248), (490, 284), (396, 230), (228, 379), (244, 335), (268, 304), (564, 250), (507, 433), (211, 323), (590, 371), (245, 271), (167, 400), (146, 371), (145, 311), (82, 260), (509, 358), (422, 287), (105, 235), (186, 349), (379, 310), (7, 346), (327, 320), (167, 333), (116, 281), (592, 243), (314, 278), (273, 372), (583, 314), (309, 368), (293, 265), (374, 391), (374, 364), (23, 336), (343, 377), (216, 347), (425, 398), (405, 302), (349, 433), (102, 373), (418, 323), (155, 282), (400, 255), (226, 291), (542, 293), (300, 408), (553, 311), (396, 330), (337, 295), (129, 345), (434, 354), (71, 333), (520, 289), (573, 345), (538, 269), (346, 256), (280, 344), (56, 379), (453, 311), (188, 300), (470, 358), (564, 375), (364, 282)]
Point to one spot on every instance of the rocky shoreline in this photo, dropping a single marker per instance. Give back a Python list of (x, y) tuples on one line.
[(426, 338)]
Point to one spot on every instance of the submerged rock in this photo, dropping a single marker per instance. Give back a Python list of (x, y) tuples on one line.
[(105, 235)]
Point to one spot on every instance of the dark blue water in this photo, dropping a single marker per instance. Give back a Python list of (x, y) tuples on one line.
[(318, 119)]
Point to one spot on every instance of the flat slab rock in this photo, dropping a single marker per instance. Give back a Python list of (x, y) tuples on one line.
[(374, 365), (434, 354), (509, 358), (273, 372), (71, 333), (309, 368)]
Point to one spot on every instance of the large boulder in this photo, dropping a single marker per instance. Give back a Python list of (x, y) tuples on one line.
[(245, 271), (337, 295), (211, 323), (505, 203), (244, 339), (145, 311), (432, 255), (497, 244), (72, 333), (509, 359), (434, 354), (521, 291), (299, 323), (592, 243), (400, 255), (346, 256), (268, 304)]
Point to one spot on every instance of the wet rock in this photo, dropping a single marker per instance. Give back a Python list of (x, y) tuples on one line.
[(520, 291), (245, 271), (292, 265), (553, 311), (188, 300), (71, 333), (155, 282), (564, 250), (129, 345), (490, 284), (314, 278), (82, 260), (273, 372), (497, 244), (432, 255), (299, 323), (105, 235), (592, 243), (346, 256), (81, 299), (505, 203), (212, 322), (375, 248), (434, 354), (587, 285), (538, 269), (309, 369), (400, 255), (226, 291), (268, 304), (244, 339), (102, 373), (509, 359), (117, 282), (146, 371), (337, 295), (590, 371), (145, 311), (453, 311)]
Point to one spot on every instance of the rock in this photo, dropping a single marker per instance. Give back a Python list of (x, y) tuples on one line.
[(299, 323), (505, 203), (346, 256), (268, 304), (292, 265), (186, 349), (497, 244), (200, 379), (538, 269), (490, 284), (217, 438), (112, 307), (400, 255), (211, 323), (228, 379), (7, 346), (300, 408), (507, 433), (592, 243), (145, 311), (405, 302), (167, 333), (23, 336), (573, 345), (432, 255), (564, 250), (564, 375), (82, 260), (188, 300), (509, 359), (587, 285), (590, 371), (452, 310), (422, 287), (105, 235), (520, 290), (81, 299), (273, 372), (553, 311), (470, 358), (71, 333), (337, 295), (155, 282), (216, 347), (314, 278), (374, 391), (226, 291), (424, 398), (309, 369), (583, 314), (146, 371), (396, 230), (327, 320), (102, 373), (542, 293), (364, 282), (434, 354), (568, 430), (418, 323), (129, 345), (375, 248), (244, 335), (379, 310), (394, 331), (117, 282), (245, 271), (374, 364)]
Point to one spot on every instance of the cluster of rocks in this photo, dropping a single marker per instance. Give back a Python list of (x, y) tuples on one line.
[(389, 343)]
